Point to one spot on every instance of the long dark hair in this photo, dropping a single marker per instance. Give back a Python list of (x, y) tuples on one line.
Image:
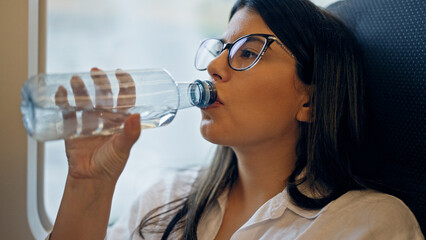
[(328, 62)]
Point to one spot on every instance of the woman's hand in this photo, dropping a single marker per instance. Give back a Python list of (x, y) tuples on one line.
[(95, 162), (99, 157), (102, 157)]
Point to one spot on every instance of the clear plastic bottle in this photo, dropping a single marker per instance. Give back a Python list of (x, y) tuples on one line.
[(63, 106)]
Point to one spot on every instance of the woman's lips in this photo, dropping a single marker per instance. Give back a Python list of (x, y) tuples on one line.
[(218, 100), (216, 104)]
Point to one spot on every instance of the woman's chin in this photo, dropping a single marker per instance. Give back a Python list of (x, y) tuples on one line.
[(211, 132), (206, 130)]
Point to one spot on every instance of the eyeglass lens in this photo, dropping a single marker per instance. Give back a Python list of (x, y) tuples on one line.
[(243, 53)]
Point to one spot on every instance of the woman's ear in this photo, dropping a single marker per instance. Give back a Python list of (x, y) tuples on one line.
[(304, 113)]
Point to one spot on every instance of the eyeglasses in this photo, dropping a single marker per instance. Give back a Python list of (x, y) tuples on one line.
[(243, 53)]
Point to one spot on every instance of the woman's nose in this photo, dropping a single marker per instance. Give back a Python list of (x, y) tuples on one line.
[(219, 68)]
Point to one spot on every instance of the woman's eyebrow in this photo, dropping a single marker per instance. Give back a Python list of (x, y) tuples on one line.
[(254, 39), (249, 39)]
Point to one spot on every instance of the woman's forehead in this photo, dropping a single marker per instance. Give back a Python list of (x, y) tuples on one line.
[(245, 21)]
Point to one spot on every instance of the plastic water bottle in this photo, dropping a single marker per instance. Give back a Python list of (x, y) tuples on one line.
[(64, 106)]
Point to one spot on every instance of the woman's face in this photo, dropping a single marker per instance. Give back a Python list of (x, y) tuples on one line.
[(258, 106)]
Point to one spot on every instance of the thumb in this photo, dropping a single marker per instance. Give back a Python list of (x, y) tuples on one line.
[(131, 132)]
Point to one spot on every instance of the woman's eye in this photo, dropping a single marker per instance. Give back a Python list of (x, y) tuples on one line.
[(248, 54)]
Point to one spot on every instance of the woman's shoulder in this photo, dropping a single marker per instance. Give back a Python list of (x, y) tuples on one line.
[(366, 197), (373, 214), (364, 201)]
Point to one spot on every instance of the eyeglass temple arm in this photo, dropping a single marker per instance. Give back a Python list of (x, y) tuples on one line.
[(283, 47)]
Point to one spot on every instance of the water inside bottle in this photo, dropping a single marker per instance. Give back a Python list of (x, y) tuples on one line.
[(74, 123)]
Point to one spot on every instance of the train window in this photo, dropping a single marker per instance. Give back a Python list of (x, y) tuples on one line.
[(133, 34)]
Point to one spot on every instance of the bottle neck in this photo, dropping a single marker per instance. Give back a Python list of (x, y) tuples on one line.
[(199, 94)]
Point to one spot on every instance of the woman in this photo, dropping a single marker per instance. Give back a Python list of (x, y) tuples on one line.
[(288, 122)]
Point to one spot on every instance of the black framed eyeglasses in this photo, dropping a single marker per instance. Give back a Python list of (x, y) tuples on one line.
[(243, 53)]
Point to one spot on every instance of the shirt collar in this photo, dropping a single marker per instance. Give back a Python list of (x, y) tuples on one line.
[(307, 191), (276, 206), (303, 212)]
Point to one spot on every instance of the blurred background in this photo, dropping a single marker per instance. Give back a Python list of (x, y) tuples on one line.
[(134, 34)]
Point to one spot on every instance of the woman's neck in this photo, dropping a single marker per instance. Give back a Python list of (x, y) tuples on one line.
[(263, 170)]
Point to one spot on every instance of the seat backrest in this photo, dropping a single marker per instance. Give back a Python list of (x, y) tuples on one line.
[(392, 35)]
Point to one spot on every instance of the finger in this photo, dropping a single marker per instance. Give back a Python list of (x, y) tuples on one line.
[(125, 100), (68, 114), (103, 90), (82, 101), (104, 101), (131, 132), (126, 95)]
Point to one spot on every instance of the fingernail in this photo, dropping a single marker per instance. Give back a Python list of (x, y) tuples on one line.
[(76, 81)]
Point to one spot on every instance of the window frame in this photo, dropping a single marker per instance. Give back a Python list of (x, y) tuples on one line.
[(38, 221)]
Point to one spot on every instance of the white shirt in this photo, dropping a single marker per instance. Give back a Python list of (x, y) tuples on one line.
[(363, 214)]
